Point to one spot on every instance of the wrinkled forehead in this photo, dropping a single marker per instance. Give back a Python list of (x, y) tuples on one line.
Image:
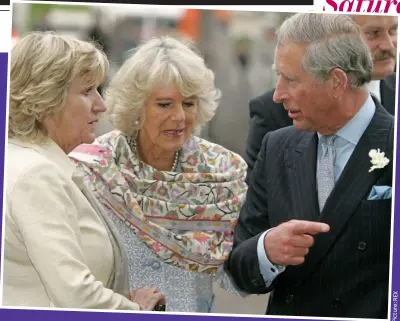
[(376, 22), (289, 55), (290, 47)]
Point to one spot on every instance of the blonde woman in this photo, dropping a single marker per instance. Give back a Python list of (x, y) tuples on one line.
[(60, 250), (173, 196)]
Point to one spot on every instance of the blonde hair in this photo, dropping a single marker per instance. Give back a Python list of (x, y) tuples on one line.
[(160, 61), (43, 64)]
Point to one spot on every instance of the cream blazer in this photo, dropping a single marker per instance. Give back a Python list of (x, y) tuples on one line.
[(57, 252)]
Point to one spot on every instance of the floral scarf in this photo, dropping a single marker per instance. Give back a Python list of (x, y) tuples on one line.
[(185, 217)]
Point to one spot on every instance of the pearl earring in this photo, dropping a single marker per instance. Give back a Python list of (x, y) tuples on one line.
[(136, 122)]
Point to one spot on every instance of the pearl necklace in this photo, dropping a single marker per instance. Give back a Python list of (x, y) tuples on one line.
[(176, 157)]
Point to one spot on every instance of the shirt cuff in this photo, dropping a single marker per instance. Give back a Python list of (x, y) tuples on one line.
[(268, 270)]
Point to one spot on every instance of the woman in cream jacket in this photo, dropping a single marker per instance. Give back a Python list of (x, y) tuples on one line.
[(60, 250)]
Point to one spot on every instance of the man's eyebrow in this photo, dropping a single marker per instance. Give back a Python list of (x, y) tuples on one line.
[(377, 27), (372, 27)]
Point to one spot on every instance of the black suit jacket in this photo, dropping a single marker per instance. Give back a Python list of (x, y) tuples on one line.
[(266, 116), (346, 272)]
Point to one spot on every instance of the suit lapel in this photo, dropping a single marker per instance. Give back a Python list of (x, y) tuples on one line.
[(301, 166), (353, 186), (388, 93)]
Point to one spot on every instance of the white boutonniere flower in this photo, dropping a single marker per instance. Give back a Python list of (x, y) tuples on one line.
[(378, 159)]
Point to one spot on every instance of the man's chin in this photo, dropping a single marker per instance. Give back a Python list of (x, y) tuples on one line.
[(300, 125), (383, 71)]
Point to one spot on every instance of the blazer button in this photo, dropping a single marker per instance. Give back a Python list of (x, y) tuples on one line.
[(362, 246), (336, 303), (289, 298), (255, 282), (156, 265)]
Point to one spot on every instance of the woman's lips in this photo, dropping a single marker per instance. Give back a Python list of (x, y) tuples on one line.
[(174, 132)]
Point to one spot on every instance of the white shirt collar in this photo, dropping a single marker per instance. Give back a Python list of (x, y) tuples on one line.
[(375, 88)]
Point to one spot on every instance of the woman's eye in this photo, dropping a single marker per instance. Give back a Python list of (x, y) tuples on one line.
[(164, 105), (188, 104), (88, 91)]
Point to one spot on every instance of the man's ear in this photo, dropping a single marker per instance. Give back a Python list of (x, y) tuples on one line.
[(338, 81)]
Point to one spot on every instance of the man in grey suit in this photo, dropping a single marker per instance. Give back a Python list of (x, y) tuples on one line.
[(380, 33), (315, 227)]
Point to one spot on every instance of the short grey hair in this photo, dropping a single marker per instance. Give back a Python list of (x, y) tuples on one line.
[(333, 41), (160, 60)]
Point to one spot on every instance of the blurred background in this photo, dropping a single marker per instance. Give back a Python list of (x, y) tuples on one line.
[(237, 45)]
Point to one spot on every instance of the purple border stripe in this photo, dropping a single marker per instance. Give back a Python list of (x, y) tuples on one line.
[(38, 315), (396, 237), (3, 102)]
